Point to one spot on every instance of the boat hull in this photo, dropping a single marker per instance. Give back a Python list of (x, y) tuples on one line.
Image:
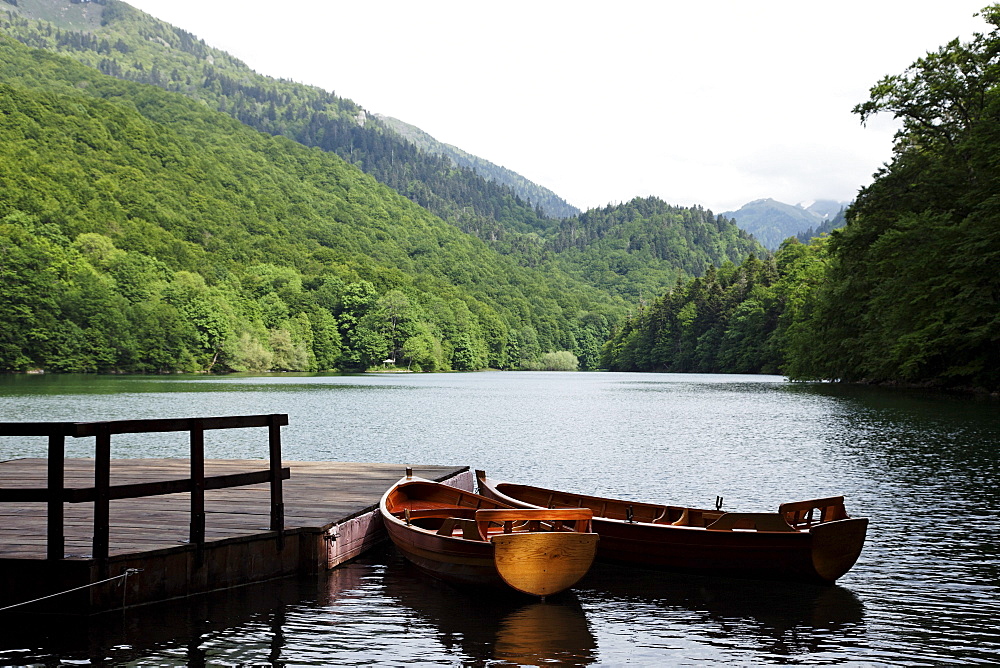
[(543, 563), (472, 540), (821, 553), (454, 560), (798, 556)]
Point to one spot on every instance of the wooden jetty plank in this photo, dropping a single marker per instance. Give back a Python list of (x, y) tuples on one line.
[(330, 517), (318, 495)]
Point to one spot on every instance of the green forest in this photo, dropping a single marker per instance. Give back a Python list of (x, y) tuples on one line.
[(142, 232), (163, 208), (174, 237), (906, 293)]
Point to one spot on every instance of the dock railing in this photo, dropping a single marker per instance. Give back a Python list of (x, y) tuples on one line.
[(103, 492)]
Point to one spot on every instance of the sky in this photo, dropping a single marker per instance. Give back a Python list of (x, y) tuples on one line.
[(713, 103)]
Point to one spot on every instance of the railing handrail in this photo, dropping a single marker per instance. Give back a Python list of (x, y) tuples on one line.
[(56, 494), (82, 429), (140, 489)]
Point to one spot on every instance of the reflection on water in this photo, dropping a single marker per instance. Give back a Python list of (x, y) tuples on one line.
[(778, 621), (381, 610), (922, 466), (487, 625), (378, 609)]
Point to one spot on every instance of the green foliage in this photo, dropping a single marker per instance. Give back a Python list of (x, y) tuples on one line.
[(653, 245), (906, 292), (910, 296), (833, 223), (131, 45), (637, 248), (144, 232), (561, 360), (543, 198), (739, 319)]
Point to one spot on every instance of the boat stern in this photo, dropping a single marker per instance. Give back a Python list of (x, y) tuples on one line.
[(543, 563), (837, 545)]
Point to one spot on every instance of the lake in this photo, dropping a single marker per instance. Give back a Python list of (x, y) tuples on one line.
[(922, 466)]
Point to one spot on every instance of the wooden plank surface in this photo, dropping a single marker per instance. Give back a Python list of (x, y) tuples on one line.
[(318, 495)]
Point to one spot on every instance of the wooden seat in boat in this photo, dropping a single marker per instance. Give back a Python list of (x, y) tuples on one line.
[(468, 527), (690, 517), (803, 514), (755, 521)]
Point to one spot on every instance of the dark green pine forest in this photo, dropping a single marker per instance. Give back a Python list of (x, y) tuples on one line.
[(164, 208)]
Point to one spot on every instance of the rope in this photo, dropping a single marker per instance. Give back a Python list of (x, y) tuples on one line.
[(128, 571)]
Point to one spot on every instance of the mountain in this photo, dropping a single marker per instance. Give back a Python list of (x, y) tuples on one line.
[(639, 248), (123, 42), (142, 231), (553, 205), (838, 220), (825, 208), (128, 44), (771, 222)]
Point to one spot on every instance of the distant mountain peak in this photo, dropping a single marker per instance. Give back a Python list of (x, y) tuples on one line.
[(771, 221)]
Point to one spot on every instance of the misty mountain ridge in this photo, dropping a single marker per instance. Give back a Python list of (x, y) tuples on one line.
[(771, 221)]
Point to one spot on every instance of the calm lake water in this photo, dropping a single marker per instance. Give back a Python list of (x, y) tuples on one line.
[(923, 467)]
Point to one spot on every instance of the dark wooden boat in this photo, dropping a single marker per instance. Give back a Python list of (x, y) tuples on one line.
[(473, 540), (811, 541)]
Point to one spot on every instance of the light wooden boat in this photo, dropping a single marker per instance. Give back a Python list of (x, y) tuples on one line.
[(473, 540), (812, 541)]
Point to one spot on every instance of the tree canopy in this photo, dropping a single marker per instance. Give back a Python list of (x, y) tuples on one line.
[(141, 231), (913, 287)]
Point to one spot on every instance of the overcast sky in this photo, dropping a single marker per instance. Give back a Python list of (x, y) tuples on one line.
[(712, 102)]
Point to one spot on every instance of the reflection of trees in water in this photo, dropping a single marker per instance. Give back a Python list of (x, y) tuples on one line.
[(774, 618)]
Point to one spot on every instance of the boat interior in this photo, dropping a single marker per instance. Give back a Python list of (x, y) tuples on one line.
[(795, 516), (461, 514)]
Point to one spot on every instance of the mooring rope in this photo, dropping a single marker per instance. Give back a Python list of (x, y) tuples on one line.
[(128, 571)]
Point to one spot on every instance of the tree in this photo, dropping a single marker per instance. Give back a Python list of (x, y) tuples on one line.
[(908, 293)]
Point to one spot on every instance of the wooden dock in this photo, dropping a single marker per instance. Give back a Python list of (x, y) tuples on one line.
[(158, 547)]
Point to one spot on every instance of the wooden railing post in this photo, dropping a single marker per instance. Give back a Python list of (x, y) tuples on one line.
[(55, 494), (197, 535), (277, 500), (102, 492), (56, 543)]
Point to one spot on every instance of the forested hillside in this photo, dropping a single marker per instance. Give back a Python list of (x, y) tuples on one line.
[(637, 248), (912, 287), (906, 293), (220, 220), (834, 223), (633, 261), (550, 203), (126, 43), (141, 231), (737, 319)]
